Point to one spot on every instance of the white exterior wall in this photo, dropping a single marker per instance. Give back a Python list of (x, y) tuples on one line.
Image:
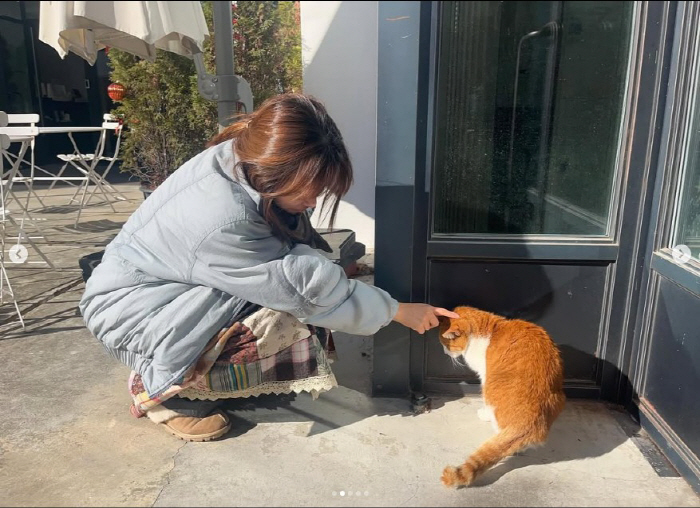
[(339, 55)]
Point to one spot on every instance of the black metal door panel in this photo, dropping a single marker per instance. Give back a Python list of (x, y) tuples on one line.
[(673, 372), (567, 300)]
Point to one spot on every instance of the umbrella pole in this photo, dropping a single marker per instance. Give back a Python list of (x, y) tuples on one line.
[(225, 79), (227, 89)]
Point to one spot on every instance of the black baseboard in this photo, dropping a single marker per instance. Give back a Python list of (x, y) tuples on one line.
[(672, 446)]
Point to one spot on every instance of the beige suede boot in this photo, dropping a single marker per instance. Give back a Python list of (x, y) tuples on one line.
[(190, 428)]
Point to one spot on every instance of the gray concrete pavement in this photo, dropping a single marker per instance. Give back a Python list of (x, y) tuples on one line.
[(67, 439)]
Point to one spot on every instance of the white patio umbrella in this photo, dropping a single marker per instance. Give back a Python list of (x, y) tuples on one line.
[(139, 28), (142, 27)]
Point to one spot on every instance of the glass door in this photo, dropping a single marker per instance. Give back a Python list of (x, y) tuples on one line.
[(528, 170), (530, 107)]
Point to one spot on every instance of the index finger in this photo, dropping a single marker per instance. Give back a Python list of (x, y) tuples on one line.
[(439, 311)]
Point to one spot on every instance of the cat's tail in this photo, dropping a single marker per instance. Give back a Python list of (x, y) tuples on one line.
[(502, 445)]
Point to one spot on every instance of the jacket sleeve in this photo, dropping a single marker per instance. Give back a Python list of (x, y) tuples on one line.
[(244, 259)]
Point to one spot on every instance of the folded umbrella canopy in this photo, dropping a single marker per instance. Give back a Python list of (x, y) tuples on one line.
[(140, 28)]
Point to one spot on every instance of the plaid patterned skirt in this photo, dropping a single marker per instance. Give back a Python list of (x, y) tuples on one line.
[(268, 352)]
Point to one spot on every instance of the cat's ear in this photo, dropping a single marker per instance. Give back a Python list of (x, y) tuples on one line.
[(453, 331)]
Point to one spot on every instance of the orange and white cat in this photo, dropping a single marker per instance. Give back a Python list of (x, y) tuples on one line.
[(520, 369)]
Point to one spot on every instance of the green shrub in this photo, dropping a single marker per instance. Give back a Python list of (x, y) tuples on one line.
[(167, 121)]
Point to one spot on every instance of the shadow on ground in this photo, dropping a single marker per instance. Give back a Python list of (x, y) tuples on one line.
[(579, 432), (349, 403)]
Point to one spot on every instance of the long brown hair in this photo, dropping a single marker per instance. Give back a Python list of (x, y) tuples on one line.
[(290, 146)]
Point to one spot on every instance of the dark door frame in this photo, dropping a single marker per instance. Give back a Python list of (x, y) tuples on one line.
[(656, 58), (407, 45), (655, 261)]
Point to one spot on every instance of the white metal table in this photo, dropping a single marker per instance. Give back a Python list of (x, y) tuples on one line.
[(85, 164)]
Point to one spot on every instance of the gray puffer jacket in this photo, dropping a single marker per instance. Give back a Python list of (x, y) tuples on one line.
[(192, 256)]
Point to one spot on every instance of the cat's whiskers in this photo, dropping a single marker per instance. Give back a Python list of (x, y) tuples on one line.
[(456, 362)]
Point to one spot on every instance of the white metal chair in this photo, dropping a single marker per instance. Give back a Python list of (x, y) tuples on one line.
[(20, 129), (5, 286), (110, 123), (87, 164)]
